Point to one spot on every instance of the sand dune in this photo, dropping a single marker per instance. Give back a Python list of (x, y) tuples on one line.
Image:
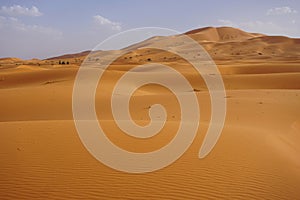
[(222, 34), (257, 156)]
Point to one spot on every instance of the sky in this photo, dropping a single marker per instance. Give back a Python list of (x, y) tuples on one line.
[(42, 29)]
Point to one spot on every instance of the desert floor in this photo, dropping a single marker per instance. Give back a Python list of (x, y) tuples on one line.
[(256, 157)]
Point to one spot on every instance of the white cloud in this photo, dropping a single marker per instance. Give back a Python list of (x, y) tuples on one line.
[(15, 25), (19, 39), (281, 11), (17, 10), (102, 21)]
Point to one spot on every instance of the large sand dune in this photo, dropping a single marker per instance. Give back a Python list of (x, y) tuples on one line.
[(257, 156)]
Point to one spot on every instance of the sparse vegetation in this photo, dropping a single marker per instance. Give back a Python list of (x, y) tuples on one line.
[(63, 62)]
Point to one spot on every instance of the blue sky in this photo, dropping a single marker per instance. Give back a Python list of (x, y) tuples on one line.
[(41, 29)]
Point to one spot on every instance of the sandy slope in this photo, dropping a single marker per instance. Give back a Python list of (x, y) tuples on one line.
[(257, 156)]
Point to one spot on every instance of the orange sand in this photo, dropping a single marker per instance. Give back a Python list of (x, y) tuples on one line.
[(257, 156)]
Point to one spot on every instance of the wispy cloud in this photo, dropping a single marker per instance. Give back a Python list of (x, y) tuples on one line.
[(281, 11), (102, 21), (15, 25), (17, 10)]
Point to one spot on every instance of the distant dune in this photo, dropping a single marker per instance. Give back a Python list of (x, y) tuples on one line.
[(67, 56), (257, 156)]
